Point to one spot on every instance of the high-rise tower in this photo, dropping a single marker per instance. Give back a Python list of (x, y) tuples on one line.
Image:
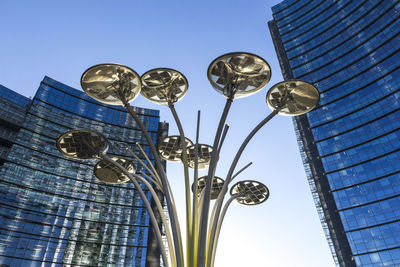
[(350, 144), (53, 210)]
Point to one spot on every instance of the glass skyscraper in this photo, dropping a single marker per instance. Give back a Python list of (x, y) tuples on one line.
[(350, 144), (53, 210)]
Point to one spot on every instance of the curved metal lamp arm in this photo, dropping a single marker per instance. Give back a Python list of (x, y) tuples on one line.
[(213, 219), (210, 239), (189, 247), (226, 128), (146, 203), (167, 192), (201, 203), (240, 171), (213, 247), (211, 173), (195, 201), (152, 173), (229, 177), (149, 161), (153, 181), (158, 182), (163, 218), (244, 144), (195, 210)]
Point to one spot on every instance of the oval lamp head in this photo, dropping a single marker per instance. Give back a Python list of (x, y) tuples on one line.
[(110, 174), (164, 86), (82, 144), (204, 156), (111, 83), (239, 74), (252, 192), (216, 186), (170, 148), (293, 97)]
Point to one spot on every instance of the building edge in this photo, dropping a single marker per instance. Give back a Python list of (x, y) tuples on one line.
[(153, 249), (319, 185)]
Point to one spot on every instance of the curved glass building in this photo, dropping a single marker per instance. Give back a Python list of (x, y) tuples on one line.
[(350, 144), (53, 210)]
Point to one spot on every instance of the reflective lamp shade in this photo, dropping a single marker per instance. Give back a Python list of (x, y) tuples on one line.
[(204, 156), (109, 83), (253, 192), (82, 144), (110, 174), (297, 97), (163, 86), (238, 74), (170, 148), (216, 186)]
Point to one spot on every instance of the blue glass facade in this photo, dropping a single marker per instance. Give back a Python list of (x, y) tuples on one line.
[(53, 210), (13, 107), (350, 144)]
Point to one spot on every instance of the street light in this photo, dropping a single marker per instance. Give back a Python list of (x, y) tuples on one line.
[(234, 75)]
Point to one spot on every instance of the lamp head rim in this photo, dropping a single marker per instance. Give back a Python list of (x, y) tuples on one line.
[(106, 147), (109, 63), (166, 69), (215, 86)]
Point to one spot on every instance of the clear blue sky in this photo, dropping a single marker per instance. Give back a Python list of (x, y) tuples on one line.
[(62, 39)]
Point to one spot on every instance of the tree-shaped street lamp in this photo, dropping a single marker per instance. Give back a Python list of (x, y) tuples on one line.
[(234, 75)]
